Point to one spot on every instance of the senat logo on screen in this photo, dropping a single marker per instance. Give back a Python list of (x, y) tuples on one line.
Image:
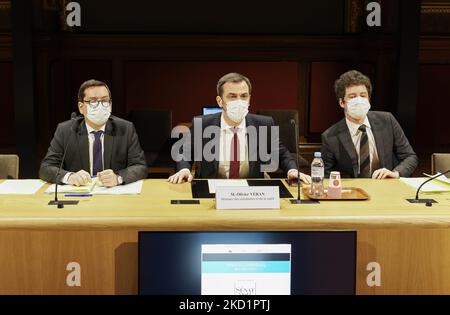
[(245, 287), (74, 17), (374, 17)]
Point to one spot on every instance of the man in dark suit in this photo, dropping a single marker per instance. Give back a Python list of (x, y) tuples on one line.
[(365, 144), (98, 144), (240, 142)]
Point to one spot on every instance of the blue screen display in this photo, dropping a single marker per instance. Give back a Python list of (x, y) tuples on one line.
[(211, 110)]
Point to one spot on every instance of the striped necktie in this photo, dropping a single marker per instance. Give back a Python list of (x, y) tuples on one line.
[(364, 154)]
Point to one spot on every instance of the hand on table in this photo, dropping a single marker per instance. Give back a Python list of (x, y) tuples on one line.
[(292, 174), (383, 173), (181, 176), (108, 178)]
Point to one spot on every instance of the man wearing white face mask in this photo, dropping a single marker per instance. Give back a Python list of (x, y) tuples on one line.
[(233, 95), (365, 144), (98, 144)]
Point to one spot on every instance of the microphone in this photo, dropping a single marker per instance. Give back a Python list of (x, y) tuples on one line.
[(298, 200), (60, 203), (428, 202), (297, 151)]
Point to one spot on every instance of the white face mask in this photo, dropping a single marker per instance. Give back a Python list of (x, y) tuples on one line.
[(237, 110), (358, 107), (99, 115)]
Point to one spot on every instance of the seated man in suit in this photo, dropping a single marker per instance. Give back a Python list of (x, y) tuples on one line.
[(240, 139), (98, 144), (366, 144)]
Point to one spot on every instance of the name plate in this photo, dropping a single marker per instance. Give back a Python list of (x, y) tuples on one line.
[(252, 197)]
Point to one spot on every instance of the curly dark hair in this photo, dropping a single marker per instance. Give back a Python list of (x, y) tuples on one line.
[(351, 78)]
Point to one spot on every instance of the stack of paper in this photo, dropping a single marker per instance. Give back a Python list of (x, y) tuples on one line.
[(441, 178), (95, 189), (431, 186), (88, 188), (20, 186)]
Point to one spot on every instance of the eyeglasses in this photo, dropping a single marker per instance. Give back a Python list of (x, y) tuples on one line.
[(94, 103)]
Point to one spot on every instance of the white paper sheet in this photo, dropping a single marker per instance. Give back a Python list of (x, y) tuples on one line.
[(213, 183), (20, 186), (432, 186), (129, 189), (441, 178)]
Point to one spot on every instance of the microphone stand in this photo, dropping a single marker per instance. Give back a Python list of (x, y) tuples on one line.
[(299, 182), (60, 203), (428, 202)]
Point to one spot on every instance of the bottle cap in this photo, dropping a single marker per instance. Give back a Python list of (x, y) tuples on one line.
[(317, 154)]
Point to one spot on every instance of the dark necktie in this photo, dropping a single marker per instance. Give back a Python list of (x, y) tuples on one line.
[(364, 154), (97, 156), (234, 161)]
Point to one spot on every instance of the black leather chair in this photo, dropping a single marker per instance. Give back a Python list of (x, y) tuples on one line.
[(153, 128), (282, 118)]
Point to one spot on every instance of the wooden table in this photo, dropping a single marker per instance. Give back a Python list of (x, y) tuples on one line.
[(411, 242)]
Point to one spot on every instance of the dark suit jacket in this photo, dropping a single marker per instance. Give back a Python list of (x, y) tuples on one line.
[(394, 151), (209, 169), (122, 151)]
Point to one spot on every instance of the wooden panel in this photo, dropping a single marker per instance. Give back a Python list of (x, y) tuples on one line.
[(412, 261), (35, 262), (185, 87), (433, 112), (7, 127), (140, 16)]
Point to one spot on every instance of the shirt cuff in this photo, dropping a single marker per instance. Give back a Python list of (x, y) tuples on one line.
[(185, 169), (119, 180), (65, 179), (292, 170)]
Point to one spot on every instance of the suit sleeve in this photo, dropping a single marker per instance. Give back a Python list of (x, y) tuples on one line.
[(185, 158), (52, 160), (405, 154), (328, 157), (136, 164)]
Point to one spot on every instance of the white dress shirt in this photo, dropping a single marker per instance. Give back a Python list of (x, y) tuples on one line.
[(356, 138), (226, 139)]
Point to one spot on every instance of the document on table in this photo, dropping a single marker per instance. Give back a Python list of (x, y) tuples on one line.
[(432, 186), (20, 186), (441, 178), (129, 189), (83, 189), (213, 183)]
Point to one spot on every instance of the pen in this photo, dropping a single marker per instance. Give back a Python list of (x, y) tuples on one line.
[(78, 195)]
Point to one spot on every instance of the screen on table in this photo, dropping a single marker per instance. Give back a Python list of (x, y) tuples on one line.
[(247, 263)]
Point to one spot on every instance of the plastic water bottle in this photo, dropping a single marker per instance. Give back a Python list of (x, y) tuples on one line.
[(317, 173)]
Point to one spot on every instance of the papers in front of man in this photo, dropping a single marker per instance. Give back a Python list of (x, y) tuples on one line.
[(433, 186), (64, 189), (20, 186), (213, 183), (96, 188)]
